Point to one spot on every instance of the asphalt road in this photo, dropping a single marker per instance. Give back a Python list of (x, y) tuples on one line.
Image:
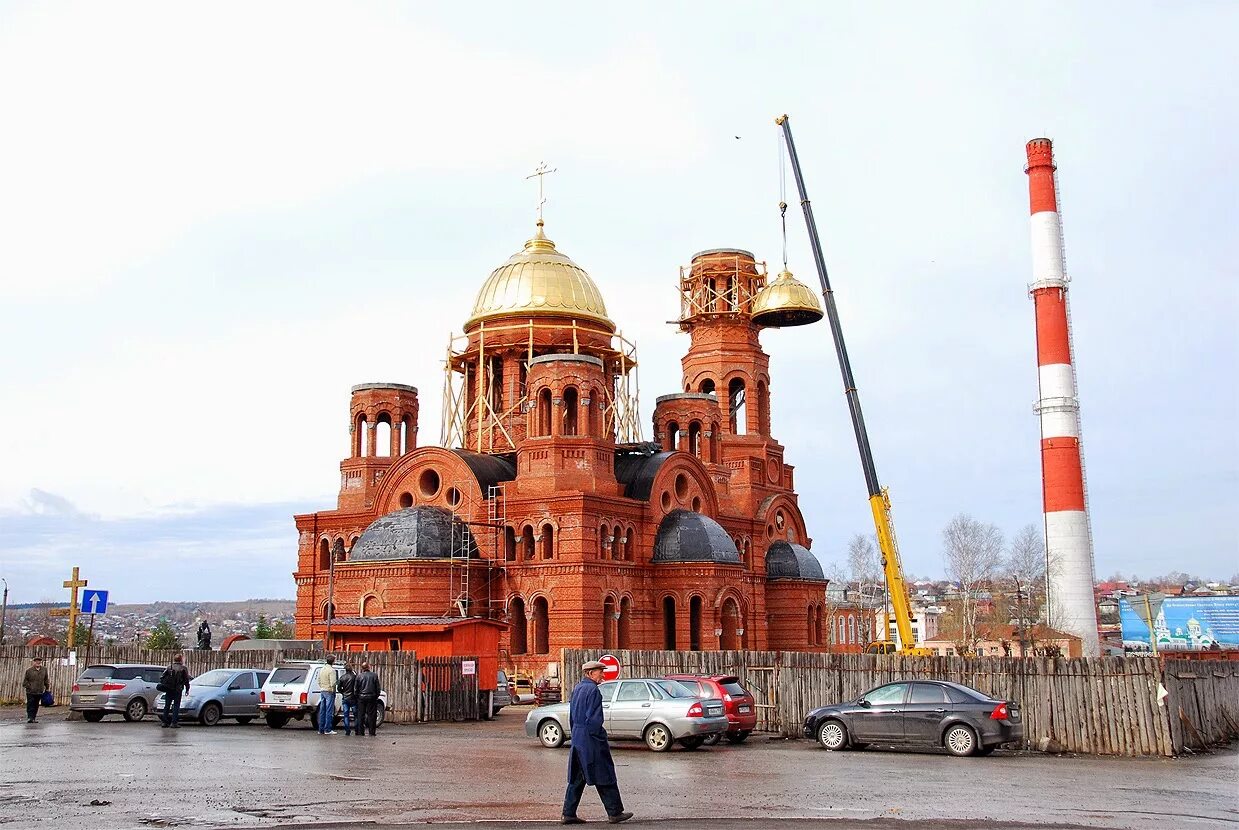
[(491, 775)]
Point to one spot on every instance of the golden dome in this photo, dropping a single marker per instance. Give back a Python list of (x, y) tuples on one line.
[(539, 281), (786, 302)]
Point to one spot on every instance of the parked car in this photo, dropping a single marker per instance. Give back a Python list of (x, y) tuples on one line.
[(522, 690), (221, 693), (919, 712), (126, 689), (291, 691), (503, 694), (658, 711), (740, 706)]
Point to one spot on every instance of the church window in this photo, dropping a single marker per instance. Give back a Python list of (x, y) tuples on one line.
[(617, 543), (548, 542), (630, 543), (406, 499), (408, 437), (324, 555), (707, 386), (369, 605), (818, 629), (809, 627), (669, 639), (543, 413), (329, 610), (671, 441), (731, 293), (361, 441), (622, 632), (763, 409), (428, 483), (509, 544), (382, 436), (694, 624), (736, 407), (516, 618), (570, 411), (494, 384), (731, 624), (608, 623), (527, 542), (541, 626), (694, 438)]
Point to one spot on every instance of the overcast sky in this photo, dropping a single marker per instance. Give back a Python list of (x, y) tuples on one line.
[(214, 219)]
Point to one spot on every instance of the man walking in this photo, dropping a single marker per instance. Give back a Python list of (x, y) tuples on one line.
[(173, 684), (327, 697), (347, 690), (589, 762), (367, 700), (35, 683)]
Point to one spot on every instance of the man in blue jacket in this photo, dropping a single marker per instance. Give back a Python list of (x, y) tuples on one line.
[(589, 762)]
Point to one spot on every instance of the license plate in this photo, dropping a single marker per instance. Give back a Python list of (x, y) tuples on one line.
[(87, 698), (743, 709)]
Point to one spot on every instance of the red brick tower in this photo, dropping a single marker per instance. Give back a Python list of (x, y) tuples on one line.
[(382, 428)]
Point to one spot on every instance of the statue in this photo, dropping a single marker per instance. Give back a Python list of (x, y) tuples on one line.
[(204, 636)]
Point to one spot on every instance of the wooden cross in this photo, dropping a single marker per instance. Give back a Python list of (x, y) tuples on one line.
[(73, 584), (541, 171)]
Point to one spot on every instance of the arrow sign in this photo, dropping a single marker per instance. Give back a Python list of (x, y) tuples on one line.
[(94, 602)]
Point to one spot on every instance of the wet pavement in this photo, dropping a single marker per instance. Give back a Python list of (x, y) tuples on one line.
[(490, 775)]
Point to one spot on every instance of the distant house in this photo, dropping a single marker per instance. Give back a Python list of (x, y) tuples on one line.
[(1004, 641)]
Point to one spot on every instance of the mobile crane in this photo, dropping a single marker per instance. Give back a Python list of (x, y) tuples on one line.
[(879, 500)]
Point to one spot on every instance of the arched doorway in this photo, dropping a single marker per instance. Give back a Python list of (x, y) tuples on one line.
[(519, 631), (541, 626), (669, 623), (732, 624), (694, 624)]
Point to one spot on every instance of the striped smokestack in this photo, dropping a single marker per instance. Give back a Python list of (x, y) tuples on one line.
[(1068, 538)]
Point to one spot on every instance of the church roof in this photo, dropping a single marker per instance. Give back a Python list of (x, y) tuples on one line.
[(785, 560), (684, 536), (414, 533), (539, 281), (488, 469), (636, 471)]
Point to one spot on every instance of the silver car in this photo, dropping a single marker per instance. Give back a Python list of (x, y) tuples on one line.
[(658, 711), (126, 689), (221, 693)]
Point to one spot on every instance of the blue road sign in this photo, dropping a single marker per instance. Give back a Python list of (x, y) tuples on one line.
[(94, 602)]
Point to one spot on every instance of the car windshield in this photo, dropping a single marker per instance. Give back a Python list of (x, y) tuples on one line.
[(288, 675), (97, 673), (213, 678), (673, 688)]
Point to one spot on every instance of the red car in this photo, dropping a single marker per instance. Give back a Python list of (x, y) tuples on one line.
[(739, 705)]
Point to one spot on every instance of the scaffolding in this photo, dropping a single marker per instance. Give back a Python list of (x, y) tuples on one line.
[(474, 394), (474, 516), (720, 288)]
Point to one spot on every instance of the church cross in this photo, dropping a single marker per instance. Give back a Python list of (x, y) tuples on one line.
[(541, 171)]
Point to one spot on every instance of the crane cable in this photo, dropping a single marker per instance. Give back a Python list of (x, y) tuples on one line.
[(783, 196)]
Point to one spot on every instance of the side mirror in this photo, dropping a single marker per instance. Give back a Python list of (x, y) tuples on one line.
[(862, 702), (234, 687)]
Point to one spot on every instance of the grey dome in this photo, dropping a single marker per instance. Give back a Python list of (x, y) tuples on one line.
[(414, 533), (787, 561), (685, 536)]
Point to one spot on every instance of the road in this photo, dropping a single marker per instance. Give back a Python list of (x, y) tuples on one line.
[(457, 775)]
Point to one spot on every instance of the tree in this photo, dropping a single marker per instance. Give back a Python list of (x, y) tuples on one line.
[(864, 563), (280, 631), (81, 637), (1026, 568), (972, 551), (163, 638), (262, 629)]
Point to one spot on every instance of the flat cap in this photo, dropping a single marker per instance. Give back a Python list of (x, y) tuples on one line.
[(591, 665)]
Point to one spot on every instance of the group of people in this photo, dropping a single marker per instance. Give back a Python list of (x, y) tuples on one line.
[(359, 698)]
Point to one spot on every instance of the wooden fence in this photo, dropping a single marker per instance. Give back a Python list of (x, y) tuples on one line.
[(416, 690), (1100, 706)]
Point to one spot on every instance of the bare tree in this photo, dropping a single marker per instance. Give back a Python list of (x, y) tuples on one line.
[(973, 552), (864, 563), (1026, 567)]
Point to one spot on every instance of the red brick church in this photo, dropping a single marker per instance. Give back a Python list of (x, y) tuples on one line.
[(543, 521)]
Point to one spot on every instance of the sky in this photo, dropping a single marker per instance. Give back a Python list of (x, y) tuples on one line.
[(216, 219)]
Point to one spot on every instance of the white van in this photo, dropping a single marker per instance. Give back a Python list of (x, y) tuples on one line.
[(291, 691)]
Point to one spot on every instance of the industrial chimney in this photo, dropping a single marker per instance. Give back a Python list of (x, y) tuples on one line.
[(1068, 536)]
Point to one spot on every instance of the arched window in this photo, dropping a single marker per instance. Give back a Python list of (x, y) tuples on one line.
[(527, 543), (518, 631), (608, 623), (671, 441), (408, 435), (548, 541), (852, 628), (382, 436), (714, 439), (361, 437), (763, 409), (604, 544), (694, 624), (541, 626), (730, 300), (707, 386), (625, 622), (731, 623), (617, 546), (337, 550), (329, 610), (669, 639), (819, 633), (509, 544), (324, 555), (630, 544), (694, 438), (834, 629), (809, 627), (494, 384), (542, 424), (369, 605), (737, 409), (570, 411)]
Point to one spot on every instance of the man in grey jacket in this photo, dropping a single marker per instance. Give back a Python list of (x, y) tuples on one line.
[(35, 683)]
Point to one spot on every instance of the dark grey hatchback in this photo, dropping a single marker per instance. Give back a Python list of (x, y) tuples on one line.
[(919, 713)]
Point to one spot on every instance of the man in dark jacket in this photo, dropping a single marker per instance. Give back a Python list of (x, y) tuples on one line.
[(589, 761), (173, 684), (367, 700), (346, 688), (35, 683)]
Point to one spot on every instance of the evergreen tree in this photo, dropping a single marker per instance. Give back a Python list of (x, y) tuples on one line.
[(281, 631), (262, 630), (163, 637)]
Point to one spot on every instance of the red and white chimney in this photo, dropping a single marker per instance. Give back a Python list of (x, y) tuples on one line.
[(1068, 538)]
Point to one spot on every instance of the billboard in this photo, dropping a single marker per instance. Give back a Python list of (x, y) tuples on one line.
[(1181, 623)]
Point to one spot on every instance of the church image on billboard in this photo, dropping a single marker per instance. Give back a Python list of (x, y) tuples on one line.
[(1182, 624)]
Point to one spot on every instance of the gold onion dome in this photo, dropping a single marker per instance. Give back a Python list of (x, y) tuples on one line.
[(786, 302), (539, 281)]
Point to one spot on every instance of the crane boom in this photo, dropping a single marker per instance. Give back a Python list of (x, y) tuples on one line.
[(879, 502)]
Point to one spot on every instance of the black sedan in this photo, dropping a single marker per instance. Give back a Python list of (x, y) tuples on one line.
[(919, 713)]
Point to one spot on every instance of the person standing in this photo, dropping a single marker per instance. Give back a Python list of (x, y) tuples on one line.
[(589, 762), (347, 690), (173, 684), (327, 697), (368, 690), (36, 684)]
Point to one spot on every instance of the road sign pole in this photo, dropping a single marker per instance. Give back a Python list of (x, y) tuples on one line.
[(90, 638), (1148, 610)]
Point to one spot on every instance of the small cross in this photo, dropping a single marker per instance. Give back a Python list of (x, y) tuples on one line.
[(73, 584), (541, 171)]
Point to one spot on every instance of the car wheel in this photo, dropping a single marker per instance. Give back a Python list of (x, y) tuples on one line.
[(693, 742), (960, 740), (738, 737), (832, 735), (93, 717), (277, 720), (551, 734), (494, 712), (657, 737), (380, 713), (244, 721), (136, 710), (210, 714), (711, 740)]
